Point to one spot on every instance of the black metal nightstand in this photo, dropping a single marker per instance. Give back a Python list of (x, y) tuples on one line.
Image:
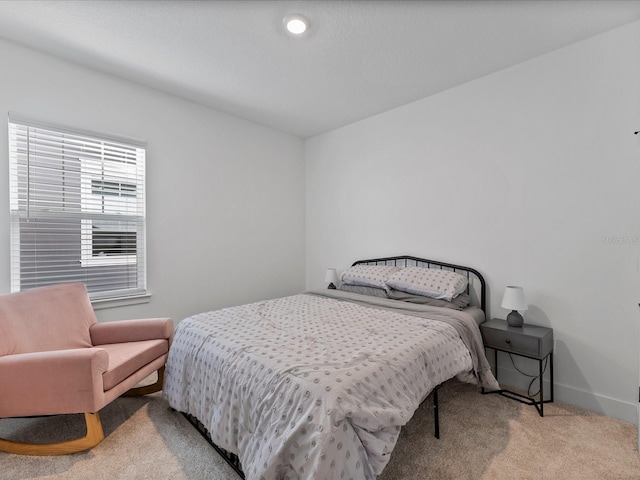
[(529, 341)]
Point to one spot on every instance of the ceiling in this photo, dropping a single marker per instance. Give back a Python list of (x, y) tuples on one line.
[(358, 59)]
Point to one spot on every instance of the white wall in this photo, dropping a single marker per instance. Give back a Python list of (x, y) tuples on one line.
[(225, 197), (531, 175)]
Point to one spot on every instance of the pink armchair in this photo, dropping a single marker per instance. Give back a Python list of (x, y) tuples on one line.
[(55, 358)]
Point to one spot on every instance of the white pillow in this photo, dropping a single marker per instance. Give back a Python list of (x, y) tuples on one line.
[(368, 275), (429, 282)]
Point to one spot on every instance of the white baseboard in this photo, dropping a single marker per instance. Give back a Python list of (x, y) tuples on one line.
[(600, 404)]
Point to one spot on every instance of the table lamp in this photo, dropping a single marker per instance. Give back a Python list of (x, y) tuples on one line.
[(331, 277), (514, 300)]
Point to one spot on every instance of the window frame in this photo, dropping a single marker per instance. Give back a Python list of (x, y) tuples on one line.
[(119, 206)]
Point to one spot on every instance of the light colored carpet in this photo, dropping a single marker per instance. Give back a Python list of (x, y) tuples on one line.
[(482, 437)]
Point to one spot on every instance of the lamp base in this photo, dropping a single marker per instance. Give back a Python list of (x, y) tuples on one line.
[(331, 286), (514, 319)]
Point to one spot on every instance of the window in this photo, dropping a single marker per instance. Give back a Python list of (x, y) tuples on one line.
[(77, 210)]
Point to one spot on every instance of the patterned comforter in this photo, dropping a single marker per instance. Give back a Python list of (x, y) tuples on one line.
[(313, 387)]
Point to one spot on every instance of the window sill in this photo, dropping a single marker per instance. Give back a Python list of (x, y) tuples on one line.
[(103, 303)]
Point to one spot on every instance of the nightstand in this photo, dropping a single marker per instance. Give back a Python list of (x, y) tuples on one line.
[(530, 341)]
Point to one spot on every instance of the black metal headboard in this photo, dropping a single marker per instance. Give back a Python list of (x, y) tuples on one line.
[(476, 285)]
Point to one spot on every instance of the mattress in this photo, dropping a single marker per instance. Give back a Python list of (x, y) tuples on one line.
[(317, 385)]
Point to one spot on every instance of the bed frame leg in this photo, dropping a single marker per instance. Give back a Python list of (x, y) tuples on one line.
[(436, 413)]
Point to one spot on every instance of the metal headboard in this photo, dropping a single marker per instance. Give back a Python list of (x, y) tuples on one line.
[(476, 284)]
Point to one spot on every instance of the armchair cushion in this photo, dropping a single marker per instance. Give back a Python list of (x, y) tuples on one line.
[(127, 358), (28, 323)]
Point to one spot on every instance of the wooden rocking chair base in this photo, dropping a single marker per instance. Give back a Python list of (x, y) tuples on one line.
[(146, 389), (93, 437)]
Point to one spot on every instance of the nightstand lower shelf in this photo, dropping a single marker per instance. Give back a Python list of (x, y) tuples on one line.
[(527, 400)]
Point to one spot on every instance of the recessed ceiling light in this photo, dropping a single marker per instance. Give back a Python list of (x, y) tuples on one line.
[(295, 24)]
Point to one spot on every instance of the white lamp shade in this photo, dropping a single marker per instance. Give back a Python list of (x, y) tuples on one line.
[(331, 276), (513, 298)]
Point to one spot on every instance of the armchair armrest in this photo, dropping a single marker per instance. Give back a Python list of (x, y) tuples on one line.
[(54, 382), (131, 331)]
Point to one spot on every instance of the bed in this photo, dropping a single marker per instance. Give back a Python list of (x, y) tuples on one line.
[(317, 385)]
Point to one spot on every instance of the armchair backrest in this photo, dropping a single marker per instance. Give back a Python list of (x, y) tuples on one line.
[(47, 318)]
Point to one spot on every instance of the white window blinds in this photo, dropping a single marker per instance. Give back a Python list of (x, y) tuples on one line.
[(77, 210)]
